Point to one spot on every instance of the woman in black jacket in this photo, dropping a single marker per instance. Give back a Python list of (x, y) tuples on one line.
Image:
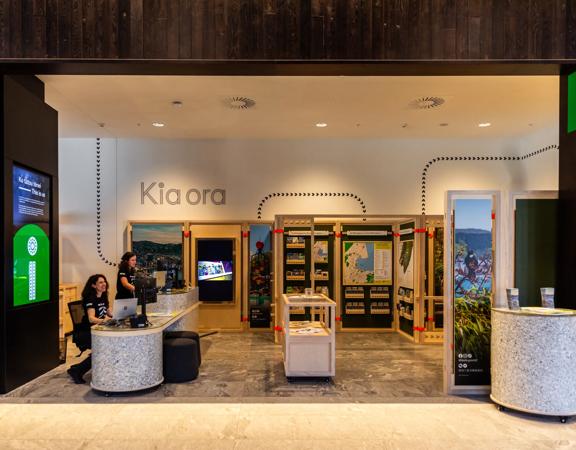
[(125, 281), (96, 311)]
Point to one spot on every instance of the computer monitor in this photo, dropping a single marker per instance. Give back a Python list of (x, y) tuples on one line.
[(145, 290), (124, 307)]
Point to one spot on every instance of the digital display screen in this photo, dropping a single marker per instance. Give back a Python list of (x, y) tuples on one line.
[(215, 269), (31, 242), (31, 195)]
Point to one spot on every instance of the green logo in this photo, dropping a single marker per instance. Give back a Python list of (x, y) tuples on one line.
[(31, 265)]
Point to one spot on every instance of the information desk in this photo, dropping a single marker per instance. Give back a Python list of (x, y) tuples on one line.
[(534, 360), (309, 347), (130, 359)]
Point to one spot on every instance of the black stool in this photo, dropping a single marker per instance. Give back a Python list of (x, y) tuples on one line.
[(180, 360), (186, 335)]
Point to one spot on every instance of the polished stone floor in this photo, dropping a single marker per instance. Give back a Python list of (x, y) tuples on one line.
[(387, 395), (370, 367), (277, 426)]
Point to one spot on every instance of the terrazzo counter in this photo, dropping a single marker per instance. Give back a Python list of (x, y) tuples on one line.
[(534, 360), (130, 359)]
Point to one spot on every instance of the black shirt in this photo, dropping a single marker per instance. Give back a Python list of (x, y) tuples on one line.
[(100, 305), (121, 291)]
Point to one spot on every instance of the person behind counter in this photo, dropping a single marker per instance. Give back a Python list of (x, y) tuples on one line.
[(126, 273), (96, 311)]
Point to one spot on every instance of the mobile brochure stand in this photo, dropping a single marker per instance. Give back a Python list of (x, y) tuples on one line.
[(309, 347)]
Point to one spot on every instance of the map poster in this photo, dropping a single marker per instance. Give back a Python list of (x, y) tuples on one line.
[(367, 262), (406, 264)]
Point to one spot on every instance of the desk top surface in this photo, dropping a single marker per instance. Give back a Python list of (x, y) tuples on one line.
[(537, 311)]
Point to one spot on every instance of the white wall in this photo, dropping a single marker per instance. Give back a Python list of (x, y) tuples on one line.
[(386, 174)]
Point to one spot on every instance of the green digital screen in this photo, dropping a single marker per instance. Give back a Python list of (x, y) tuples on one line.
[(31, 265), (571, 102)]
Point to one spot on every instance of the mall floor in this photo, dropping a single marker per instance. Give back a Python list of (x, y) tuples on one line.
[(387, 395)]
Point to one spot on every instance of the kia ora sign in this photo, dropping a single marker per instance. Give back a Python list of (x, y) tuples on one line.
[(157, 193)]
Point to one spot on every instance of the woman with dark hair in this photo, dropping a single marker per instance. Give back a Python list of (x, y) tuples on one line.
[(96, 312), (125, 282)]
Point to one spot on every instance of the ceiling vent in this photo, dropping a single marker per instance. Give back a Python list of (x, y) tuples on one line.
[(427, 103), (239, 102)]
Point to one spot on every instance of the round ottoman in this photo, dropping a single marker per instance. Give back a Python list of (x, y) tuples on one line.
[(180, 360), (186, 335)]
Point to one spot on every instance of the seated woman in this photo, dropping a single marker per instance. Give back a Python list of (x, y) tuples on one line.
[(96, 311)]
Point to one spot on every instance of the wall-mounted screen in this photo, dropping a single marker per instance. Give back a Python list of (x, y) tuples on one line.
[(31, 196), (215, 269), (31, 242)]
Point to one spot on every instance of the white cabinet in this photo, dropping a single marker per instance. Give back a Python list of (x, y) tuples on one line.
[(309, 346)]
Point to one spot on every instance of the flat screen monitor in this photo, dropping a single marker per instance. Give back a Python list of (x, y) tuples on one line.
[(31, 236), (145, 289), (215, 269)]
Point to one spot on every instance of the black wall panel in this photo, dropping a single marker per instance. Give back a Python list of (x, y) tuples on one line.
[(29, 344)]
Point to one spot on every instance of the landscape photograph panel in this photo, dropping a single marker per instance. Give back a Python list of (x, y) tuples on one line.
[(158, 247)]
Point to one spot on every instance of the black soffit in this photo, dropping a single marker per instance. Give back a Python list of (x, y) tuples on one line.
[(283, 68)]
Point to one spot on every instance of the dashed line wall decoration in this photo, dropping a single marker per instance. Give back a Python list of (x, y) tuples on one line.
[(309, 194), (99, 205), (475, 158)]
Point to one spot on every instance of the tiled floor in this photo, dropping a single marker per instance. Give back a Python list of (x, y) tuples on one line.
[(370, 367)]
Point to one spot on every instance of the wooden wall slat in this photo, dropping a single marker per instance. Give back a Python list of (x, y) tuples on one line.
[(88, 29), (4, 27), (136, 29), (65, 28), (51, 29), (123, 20), (76, 31), (289, 29)]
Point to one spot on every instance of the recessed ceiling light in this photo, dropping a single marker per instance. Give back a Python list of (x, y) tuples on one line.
[(484, 124), (158, 124), (321, 125), (177, 104), (443, 124)]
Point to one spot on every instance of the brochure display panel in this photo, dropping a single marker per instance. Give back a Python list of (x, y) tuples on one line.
[(367, 276), (299, 258), (31, 241)]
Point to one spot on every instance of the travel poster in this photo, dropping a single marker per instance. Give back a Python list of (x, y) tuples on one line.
[(260, 296), (406, 264), (472, 291), (367, 262)]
